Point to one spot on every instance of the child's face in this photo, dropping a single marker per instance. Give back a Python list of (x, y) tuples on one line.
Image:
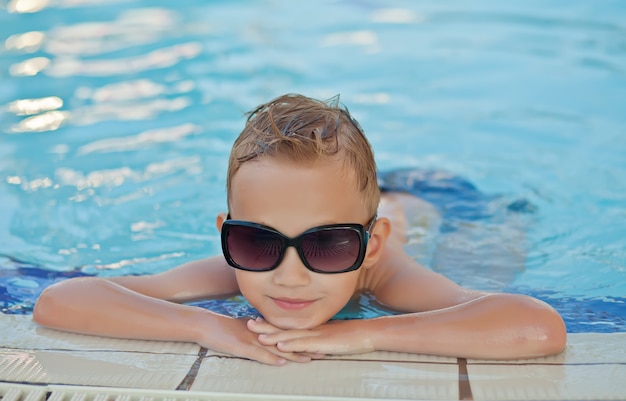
[(291, 199)]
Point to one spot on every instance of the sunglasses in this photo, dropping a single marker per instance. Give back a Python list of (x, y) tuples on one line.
[(330, 249)]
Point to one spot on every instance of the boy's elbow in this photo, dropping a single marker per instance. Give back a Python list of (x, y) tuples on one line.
[(549, 334), (43, 312), (50, 307), (555, 338), (540, 330)]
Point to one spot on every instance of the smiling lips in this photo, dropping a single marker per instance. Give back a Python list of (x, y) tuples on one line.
[(292, 304)]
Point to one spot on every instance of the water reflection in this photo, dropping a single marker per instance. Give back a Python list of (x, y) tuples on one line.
[(30, 67), (130, 100), (48, 121), (367, 39), (126, 90), (160, 58), (140, 140), (371, 98), (121, 101), (27, 6), (35, 106), (116, 177), (95, 179), (130, 28), (28, 42), (66, 48), (135, 89), (127, 111), (396, 16)]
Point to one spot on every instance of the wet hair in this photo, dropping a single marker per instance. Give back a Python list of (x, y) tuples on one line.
[(303, 130)]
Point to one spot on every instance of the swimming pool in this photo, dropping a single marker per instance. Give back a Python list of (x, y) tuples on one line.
[(118, 117)]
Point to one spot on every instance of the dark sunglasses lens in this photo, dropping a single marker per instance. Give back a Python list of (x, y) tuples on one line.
[(253, 248), (332, 250)]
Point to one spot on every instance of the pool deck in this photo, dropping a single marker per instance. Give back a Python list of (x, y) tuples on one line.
[(38, 364)]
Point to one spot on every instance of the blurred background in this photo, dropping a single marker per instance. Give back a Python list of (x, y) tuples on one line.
[(117, 117)]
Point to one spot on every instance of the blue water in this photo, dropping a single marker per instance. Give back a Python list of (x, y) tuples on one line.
[(116, 119)]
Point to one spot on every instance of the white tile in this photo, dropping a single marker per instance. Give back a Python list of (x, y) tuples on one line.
[(592, 367), (581, 348), (330, 378), (97, 368), (548, 382), (596, 348), (20, 332)]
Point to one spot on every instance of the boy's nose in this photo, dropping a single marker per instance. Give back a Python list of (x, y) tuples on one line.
[(291, 272)]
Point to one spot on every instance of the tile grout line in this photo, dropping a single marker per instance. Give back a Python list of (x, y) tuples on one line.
[(224, 356), (120, 351), (465, 389), (498, 363), (191, 375)]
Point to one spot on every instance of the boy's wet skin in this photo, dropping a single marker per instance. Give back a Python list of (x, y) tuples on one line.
[(298, 164)]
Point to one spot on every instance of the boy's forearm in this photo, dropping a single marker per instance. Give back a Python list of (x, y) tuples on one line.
[(100, 307), (499, 326)]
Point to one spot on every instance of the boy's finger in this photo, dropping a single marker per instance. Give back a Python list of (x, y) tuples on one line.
[(273, 356), (310, 346), (295, 346), (287, 335), (317, 345), (291, 356), (267, 356), (260, 326)]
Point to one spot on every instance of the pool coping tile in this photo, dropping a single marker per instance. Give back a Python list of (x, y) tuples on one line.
[(334, 378), (548, 382), (581, 348), (592, 367), (21, 332), (95, 368)]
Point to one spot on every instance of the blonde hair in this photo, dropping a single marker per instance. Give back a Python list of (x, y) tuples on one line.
[(305, 130)]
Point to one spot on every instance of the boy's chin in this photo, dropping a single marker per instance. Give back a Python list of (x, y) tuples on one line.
[(285, 323)]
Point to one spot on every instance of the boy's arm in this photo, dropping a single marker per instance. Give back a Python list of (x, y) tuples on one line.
[(448, 319), (140, 308), (199, 279), (442, 319)]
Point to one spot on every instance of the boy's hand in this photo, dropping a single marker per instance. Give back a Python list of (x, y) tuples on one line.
[(336, 337), (231, 336)]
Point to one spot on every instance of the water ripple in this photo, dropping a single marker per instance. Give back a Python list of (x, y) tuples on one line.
[(160, 58), (140, 140)]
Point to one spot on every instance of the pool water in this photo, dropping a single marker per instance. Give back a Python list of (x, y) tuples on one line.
[(117, 118)]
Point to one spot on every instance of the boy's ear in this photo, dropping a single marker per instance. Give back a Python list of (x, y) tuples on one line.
[(219, 220), (378, 238)]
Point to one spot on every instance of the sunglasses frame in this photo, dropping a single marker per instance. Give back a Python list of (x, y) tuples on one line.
[(286, 242)]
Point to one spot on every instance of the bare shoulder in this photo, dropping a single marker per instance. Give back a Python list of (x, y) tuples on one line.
[(407, 286), (397, 280), (199, 279)]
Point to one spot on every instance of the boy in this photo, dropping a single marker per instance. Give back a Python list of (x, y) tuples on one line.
[(307, 230)]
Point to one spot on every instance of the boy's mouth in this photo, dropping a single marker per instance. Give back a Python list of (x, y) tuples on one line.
[(292, 304)]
